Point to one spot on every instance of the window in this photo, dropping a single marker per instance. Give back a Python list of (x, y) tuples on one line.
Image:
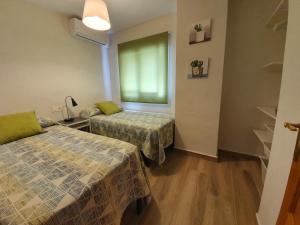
[(143, 68)]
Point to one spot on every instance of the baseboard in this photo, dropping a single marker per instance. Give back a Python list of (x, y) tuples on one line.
[(197, 154), (212, 157), (240, 153), (257, 219)]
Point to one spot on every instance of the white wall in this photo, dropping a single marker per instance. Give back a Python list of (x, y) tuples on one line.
[(198, 101), (155, 26), (249, 45), (289, 110), (41, 62)]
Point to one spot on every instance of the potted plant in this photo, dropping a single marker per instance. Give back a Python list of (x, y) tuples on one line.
[(197, 67), (200, 34)]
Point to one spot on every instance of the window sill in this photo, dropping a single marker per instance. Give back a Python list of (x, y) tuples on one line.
[(147, 107)]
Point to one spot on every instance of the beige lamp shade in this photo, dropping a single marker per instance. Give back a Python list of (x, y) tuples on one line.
[(95, 15)]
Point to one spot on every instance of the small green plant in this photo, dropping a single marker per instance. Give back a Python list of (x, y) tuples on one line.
[(196, 63), (198, 27)]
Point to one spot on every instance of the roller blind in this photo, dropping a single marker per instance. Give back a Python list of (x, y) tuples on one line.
[(143, 69)]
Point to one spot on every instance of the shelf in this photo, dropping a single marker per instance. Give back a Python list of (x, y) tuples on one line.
[(268, 110), (263, 136), (190, 76), (267, 150), (280, 25), (265, 139), (273, 67), (279, 16), (270, 127), (263, 169), (265, 162)]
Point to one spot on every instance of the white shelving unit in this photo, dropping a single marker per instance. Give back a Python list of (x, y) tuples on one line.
[(273, 67), (277, 21)]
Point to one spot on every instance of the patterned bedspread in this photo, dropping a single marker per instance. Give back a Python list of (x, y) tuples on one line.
[(65, 176), (149, 131)]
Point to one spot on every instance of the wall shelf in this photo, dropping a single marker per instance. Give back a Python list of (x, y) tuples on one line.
[(268, 110), (264, 138), (190, 76), (280, 25), (279, 16), (270, 127), (273, 67)]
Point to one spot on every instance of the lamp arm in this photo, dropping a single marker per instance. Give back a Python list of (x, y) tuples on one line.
[(67, 105)]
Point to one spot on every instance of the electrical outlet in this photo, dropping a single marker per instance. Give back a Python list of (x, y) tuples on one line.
[(57, 108)]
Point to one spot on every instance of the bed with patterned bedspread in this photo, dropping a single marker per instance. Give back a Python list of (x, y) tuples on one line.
[(65, 176), (150, 132)]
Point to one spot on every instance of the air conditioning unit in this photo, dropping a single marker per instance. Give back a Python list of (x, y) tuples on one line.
[(79, 30)]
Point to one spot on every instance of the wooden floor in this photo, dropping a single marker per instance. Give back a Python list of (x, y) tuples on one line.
[(188, 190)]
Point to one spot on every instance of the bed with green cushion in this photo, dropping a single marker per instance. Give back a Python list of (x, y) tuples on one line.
[(65, 176), (150, 132)]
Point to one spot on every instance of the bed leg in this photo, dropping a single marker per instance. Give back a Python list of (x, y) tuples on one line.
[(173, 144), (139, 206), (146, 160)]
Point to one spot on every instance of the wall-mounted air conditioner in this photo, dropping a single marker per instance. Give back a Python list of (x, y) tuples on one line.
[(79, 30)]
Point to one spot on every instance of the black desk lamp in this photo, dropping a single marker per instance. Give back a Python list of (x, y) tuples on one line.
[(74, 103)]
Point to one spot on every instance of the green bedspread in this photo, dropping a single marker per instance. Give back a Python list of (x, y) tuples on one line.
[(65, 176), (151, 132)]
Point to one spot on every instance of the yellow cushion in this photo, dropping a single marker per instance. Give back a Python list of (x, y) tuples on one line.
[(16, 126), (108, 107)]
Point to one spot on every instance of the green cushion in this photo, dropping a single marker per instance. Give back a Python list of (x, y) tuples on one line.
[(16, 126), (108, 107)]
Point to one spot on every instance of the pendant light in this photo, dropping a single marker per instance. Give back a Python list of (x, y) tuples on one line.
[(95, 15)]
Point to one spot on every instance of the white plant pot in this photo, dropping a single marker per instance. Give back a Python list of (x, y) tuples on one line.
[(197, 71), (200, 36)]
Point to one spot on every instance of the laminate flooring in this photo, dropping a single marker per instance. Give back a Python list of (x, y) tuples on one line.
[(190, 190)]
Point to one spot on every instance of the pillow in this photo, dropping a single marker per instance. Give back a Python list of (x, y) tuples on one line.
[(88, 112), (46, 122), (16, 126), (108, 107)]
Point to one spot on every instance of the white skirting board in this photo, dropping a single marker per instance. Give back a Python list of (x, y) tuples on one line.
[(195, 152), (242, 153)]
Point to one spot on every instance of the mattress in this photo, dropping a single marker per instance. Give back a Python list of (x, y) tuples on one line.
[(150, 132), (66, 176)]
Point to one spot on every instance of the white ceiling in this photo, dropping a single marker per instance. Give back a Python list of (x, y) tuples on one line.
[(123, 13)]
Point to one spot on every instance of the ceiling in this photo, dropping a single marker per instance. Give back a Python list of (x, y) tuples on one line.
[(123, 13)]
